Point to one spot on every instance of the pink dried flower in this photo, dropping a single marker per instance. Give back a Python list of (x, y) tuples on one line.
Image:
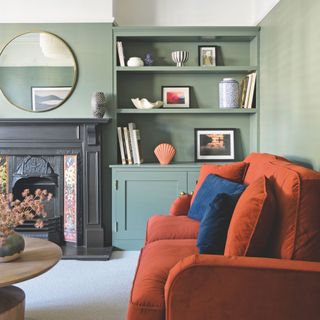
[(15, 212)]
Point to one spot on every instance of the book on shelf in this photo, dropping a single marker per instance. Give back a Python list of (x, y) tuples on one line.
[(137, 145), (120, 53), (252, 89), (131, 127), (121, 146), (128, 144), (247, 91)]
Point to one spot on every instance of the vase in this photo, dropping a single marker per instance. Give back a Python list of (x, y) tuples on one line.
[(11, 246), (228, 93), (98, 104)]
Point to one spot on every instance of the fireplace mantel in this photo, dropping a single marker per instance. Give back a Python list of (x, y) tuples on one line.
[(65, 136)]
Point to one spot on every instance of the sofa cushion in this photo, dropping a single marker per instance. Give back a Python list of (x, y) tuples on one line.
[(252, 221), (234, 172), (214, 225), (171, 227), (296, 232), (256, 165), (210, 187), (156, 260), (181, 205)]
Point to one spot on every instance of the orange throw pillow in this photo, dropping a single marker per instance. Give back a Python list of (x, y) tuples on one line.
[(251, 224), (234, 172)]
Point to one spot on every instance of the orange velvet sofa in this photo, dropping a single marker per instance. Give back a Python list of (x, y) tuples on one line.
[(174, 282)]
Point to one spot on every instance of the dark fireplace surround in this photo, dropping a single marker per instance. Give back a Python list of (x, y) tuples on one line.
[(36, 147)]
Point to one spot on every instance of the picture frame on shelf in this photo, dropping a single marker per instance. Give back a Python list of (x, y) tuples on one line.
[(214, 144), (175, 96), (43, 98), (207, 56)]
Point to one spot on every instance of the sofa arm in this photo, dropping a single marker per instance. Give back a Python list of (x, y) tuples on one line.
[(241, 288), (181, 205)]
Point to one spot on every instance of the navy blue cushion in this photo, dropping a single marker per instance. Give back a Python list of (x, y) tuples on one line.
[(210, 187), (215, 223)]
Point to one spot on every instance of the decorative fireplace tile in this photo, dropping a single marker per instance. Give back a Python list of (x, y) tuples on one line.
[(70, 198), (3, 174)]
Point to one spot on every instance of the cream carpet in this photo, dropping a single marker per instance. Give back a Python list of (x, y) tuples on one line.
[(82, 290)]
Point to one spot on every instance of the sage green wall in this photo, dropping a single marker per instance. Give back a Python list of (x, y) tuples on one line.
[(290, 81), (92, 47)]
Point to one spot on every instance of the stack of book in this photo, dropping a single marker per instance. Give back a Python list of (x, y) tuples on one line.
[(120, 53), (247, 91), (130, 144)]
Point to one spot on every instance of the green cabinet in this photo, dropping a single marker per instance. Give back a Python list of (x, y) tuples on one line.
[(142, 191)]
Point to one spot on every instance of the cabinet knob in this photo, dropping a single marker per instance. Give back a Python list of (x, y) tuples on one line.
[(182, 193)]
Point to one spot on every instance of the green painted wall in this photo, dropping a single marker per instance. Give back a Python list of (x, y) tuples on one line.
[(290, 81), (16, 83), (92, 47)]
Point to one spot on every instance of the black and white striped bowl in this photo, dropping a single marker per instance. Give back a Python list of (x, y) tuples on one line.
[(180, 57)]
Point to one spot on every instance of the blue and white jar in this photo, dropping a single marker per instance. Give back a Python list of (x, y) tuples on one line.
[(228, 93)]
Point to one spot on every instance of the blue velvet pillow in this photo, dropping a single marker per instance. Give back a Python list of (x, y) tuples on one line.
[(210, 187), (214, 226)]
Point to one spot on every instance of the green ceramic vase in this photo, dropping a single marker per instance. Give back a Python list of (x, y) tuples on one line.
[(11, 247)]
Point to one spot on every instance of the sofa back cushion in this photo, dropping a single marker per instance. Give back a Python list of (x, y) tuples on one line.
[(234, 172), (296, 233), (251, 225)]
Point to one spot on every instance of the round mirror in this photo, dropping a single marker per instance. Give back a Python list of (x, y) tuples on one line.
[(38, 71)]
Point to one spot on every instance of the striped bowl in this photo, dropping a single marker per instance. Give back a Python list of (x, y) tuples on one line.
[(180, 57)]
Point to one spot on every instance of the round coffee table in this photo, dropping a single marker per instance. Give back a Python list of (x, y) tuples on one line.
[(38, 257)]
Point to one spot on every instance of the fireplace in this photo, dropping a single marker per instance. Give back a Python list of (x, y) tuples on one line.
[(63, 157)]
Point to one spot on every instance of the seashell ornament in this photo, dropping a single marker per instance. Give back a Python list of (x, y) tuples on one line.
[(165, 153)]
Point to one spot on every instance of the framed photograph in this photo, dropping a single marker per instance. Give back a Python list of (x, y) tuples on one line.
[(176, 97), (214, 144), (45, 98), (207, 56)]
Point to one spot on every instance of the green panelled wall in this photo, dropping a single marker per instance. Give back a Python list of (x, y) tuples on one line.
[(92, 46), (290, 80), (17, 83)]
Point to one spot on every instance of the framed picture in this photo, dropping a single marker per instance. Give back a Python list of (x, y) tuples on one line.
[(45, 98), (207, 56), (214, 144), (176, 97)]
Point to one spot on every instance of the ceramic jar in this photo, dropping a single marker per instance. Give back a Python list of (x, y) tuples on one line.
[(11, 247), (98, 104), (135, 62), (228, 93)]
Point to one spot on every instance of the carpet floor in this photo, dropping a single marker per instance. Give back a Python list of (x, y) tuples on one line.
[(82, 290)]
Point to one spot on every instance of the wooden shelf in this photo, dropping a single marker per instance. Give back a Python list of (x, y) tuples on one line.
[(194, 69), (186, 111)]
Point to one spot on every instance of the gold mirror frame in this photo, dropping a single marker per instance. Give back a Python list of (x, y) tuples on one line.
[(75, 68)]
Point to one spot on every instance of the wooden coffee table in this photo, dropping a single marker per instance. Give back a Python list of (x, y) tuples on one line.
[(38, 257)]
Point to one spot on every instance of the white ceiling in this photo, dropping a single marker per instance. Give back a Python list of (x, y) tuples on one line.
[(138, 12)]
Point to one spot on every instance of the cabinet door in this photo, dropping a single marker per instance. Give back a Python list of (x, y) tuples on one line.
[(192, 180), (140, 195)]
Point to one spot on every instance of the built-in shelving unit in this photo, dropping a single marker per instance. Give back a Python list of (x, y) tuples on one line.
[(140, 191), (236, 56)]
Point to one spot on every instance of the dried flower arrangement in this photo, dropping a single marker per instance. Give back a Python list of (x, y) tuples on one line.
[(16, 212)]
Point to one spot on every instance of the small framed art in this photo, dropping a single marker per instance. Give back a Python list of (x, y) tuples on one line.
[(176, 97), (207, 56), (45, 98), (214, 144)]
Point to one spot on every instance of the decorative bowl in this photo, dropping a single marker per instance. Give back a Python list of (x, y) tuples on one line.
[(165, 153), (180, 57), (135, 62), (146, 104)]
